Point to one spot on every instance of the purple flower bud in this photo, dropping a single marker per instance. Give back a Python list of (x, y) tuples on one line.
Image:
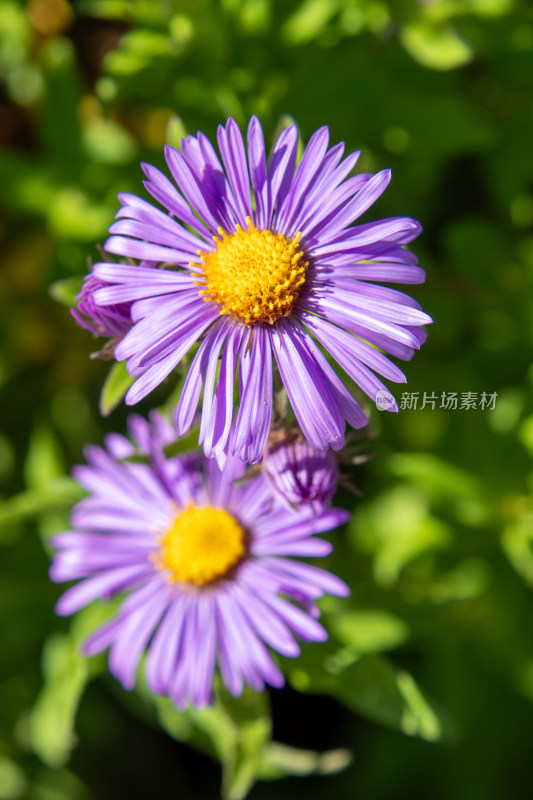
[(300, 474), (112, 322)]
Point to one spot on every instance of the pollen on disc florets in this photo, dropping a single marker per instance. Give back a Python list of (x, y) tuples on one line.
[(201, 545), (254, 276)]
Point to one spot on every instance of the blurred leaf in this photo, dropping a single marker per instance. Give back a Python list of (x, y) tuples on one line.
[(60, 124), (517, 538), (108, 143), (396, 528), (437, 47), (235, 730), (250, 715), (469, 579), (72, 215), (373, 687), (453, 488), (66, 673), (280, 760), (44, 462), (183, 445), (116, 384), (60, 493), (434, 474), (309, 20), (66, 290), (368, 630), (58, 784), (13, 34), (13, 782), (176, 131)]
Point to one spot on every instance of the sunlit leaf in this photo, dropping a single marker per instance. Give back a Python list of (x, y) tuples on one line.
[(437, 47), (66, 673), (280, 760), (116, 384), (44, 463), (66, 290), (61, 493), (368, 630)]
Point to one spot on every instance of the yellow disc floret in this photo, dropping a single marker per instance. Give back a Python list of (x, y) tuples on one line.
[(202, 544), (254, 276)]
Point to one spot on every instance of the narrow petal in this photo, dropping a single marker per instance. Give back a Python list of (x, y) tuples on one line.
[(234, 157), (133, 637), (309, 395), (255, 411), (258, 173), (218, 429), (281, 169), (163, 652), (306, 172), (100, 585), (165, 193)]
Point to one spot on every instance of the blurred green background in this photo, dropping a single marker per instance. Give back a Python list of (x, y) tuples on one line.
[(426, 686)]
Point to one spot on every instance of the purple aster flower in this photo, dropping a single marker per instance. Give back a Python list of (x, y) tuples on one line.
[(262, 263), (207, 566), (299, 474), (112, 321)]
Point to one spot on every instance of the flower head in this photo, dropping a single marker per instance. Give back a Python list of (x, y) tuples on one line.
[(207, 565), (112, 321), (261, 262), (300, 474)]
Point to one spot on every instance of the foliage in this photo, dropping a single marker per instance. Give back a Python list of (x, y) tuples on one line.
[(429, 666)]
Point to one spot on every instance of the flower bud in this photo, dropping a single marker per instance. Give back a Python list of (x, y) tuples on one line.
[(300, 474)]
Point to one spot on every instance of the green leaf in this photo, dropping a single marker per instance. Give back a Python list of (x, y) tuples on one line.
[(13, 781), (108, 143), (66, 291), (183, 445), (435, 46), (368, 631), (235, 731), (59, 494), (176, 131), (371, 686), (309, 20), (116, 384), (72, 214), (44, 462), (374, 688), (517, 540), (397, 527), (250, 715), (439, 477), (66, 673), (280, 760)]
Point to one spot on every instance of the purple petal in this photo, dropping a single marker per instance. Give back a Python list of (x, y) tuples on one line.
[(281, 169), (258, 173), (255, 412), (307, 169), (165, 193), (234, 157), (101, 585), (308, 392)]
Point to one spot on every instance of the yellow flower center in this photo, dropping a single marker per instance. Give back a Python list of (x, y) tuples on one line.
[(202, 544), (254, 276)]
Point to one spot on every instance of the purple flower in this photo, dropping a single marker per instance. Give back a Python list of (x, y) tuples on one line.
[(207, 566), (262, 264), (299, 474), (112, 321)]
